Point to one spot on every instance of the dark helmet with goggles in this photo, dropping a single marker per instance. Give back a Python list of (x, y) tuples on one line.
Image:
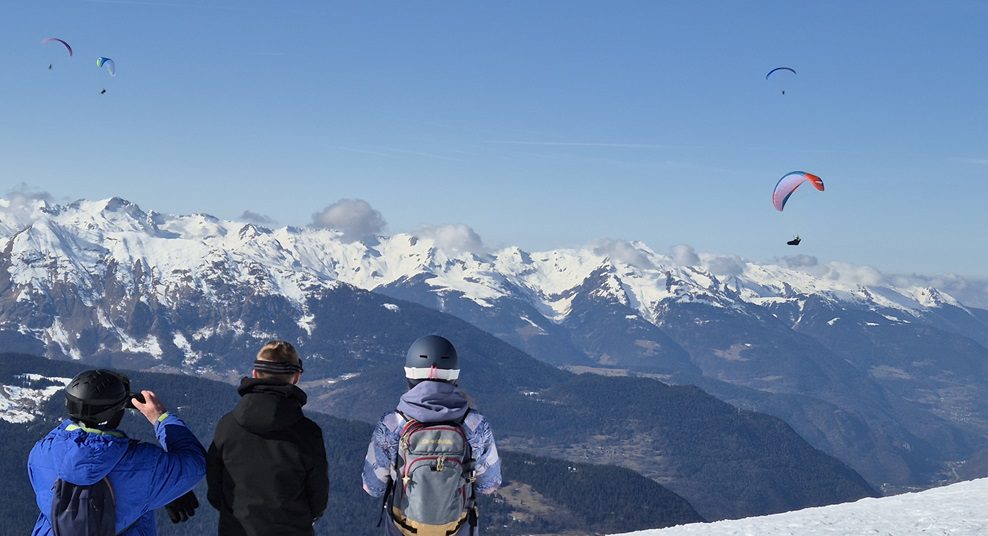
[(98, 397)]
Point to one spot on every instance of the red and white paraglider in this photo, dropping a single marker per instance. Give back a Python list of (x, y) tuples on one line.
[(785, 188)]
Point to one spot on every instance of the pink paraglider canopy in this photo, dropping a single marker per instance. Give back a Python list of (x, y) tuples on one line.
[(788, 184)]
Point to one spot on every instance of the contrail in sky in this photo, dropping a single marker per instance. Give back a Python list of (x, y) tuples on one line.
[(589, 144)]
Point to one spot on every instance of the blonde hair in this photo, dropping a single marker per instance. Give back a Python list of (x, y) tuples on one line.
[(278, 351)]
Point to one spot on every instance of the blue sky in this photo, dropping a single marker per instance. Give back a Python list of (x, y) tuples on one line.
[(542, 124)]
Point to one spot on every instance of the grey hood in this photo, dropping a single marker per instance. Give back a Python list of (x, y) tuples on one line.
[(433, 401)]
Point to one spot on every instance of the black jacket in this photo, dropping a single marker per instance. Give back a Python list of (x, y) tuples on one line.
[(266, 468)]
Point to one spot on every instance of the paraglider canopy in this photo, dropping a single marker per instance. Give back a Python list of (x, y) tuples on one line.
[(777, 69), (790, 69), (47, 40), (108, 63), (788, 184)]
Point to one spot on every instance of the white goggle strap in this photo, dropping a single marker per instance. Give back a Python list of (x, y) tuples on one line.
[(432, 373)]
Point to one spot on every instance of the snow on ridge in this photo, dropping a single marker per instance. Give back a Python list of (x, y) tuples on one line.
[(957, 509), (58, 334), (21, 404), (18, 212), (148, 345), (931, 297), (80, 239), (182, 343), (538, 328)]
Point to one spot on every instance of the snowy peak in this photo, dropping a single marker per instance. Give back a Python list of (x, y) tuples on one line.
[(86, 236), (604, 285), (94, 245), (931, 297)]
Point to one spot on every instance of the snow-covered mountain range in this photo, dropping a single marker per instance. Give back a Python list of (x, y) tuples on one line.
[(887, 374), (85, 242), (957, 509)]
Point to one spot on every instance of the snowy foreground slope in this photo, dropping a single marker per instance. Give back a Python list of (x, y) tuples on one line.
[(958, 509)]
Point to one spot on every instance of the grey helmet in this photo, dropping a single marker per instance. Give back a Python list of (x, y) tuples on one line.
[(432, 358)]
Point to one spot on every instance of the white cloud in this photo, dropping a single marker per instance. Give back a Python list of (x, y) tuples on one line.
[(684, 255), (354, 218), (855, 275), (972, 292), (456, 237), (800, 261), (23, 194), (846, 273), (969, 291), (623, 251), (724, 265), (256, 217), (20, 206)]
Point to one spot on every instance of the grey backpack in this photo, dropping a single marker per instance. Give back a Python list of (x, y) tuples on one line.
[(434, 494)]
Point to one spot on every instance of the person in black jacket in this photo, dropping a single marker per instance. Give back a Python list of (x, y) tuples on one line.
[(266, 468)]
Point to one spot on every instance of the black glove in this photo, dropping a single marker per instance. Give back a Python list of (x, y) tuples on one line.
[(182, 508)]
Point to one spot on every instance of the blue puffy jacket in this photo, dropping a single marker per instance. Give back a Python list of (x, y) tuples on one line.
[(143, 476)]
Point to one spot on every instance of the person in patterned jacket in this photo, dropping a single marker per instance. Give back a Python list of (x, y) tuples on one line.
[(432, 370)]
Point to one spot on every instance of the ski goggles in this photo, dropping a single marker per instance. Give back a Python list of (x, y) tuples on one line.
[(278, 367)]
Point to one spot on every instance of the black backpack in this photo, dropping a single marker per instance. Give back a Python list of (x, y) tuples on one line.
[(83, 510)]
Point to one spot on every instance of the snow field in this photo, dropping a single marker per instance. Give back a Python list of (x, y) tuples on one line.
[(957, 510)]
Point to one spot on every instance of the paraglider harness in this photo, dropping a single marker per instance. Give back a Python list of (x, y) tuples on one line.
[(403, 466)]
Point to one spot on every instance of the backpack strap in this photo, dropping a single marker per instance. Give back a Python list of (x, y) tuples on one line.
[(473, 512), (113, 494), (394, 466), (472, 516), (384, 500)]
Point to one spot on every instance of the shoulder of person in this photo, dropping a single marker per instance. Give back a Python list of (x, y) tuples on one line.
[(475, 420), (393, 421), (309, 426), (141, 451), (225, 425)]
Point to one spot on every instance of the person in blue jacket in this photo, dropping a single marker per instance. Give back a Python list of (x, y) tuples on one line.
[(86, 448)]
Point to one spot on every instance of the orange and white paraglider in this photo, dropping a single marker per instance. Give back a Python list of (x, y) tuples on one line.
[(785, 188)]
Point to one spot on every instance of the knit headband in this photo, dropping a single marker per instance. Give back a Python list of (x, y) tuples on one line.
[(278, 367)]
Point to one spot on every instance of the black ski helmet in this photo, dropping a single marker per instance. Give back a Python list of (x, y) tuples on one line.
[(99, 396), (431, 358)]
